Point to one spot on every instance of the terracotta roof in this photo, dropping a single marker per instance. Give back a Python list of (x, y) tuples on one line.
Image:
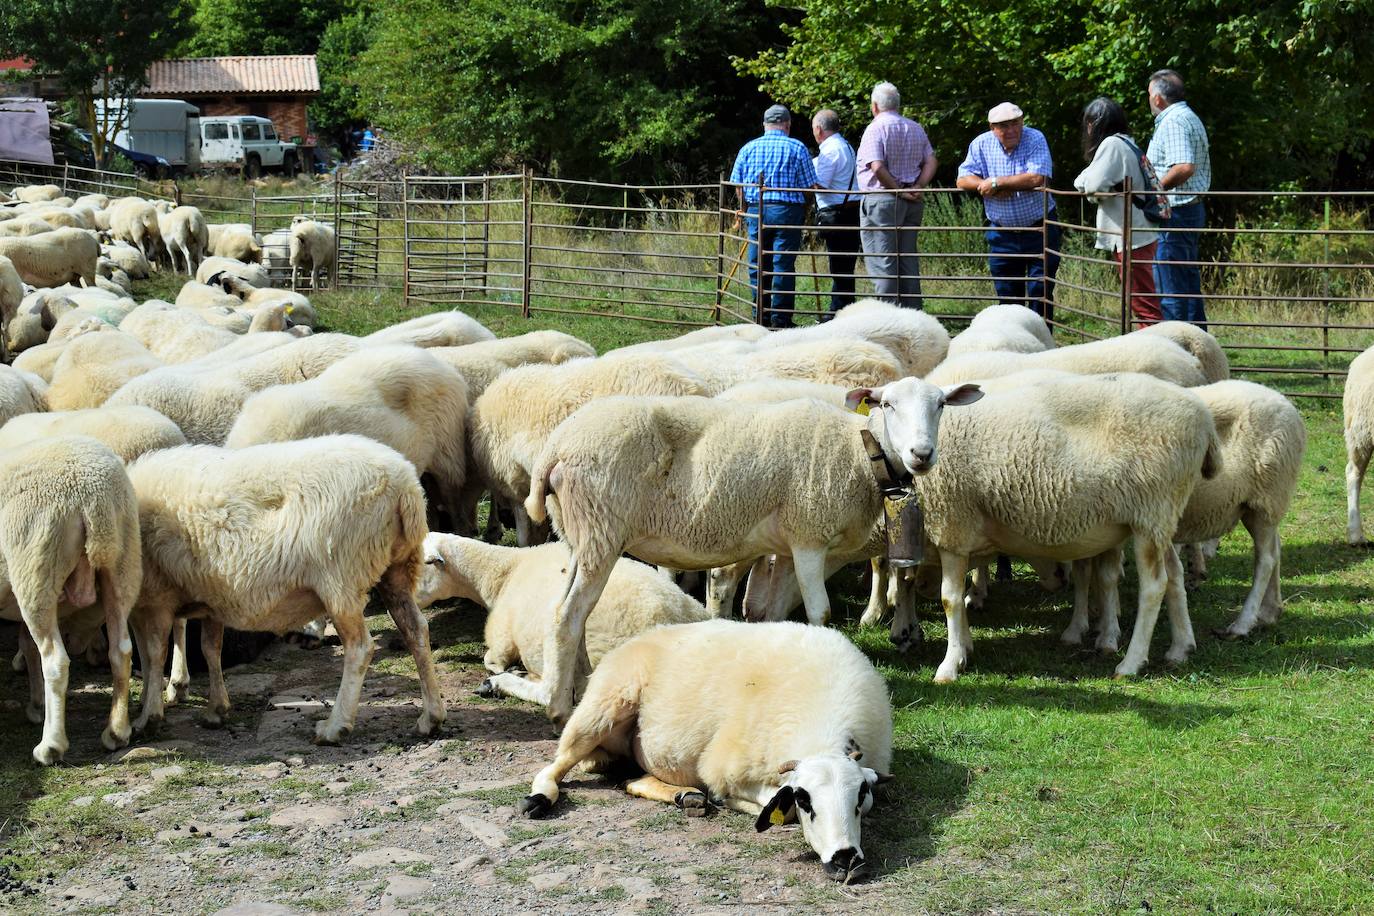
[(15, 63), (286, 73)]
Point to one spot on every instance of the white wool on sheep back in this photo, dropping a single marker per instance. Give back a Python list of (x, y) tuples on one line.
[(21, 392), (183, 232), (253, 274), (194, 294), (1009, 328), (233, 240), (847, 361), (68, 535), (36, 193), (270, 537), (440, 329), (1209, 354), (1149, 354), (127, 431), (312, 250), (918, 340), (54, 258), (134, 220), (739, 333), (11, 295), (93, 366), (128, 258)]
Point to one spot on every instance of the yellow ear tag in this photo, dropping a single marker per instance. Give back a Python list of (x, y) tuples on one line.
[(777, 818), (862, 408)]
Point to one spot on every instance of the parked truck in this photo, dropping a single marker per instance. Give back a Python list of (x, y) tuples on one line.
[(247, 143), (165, 128)]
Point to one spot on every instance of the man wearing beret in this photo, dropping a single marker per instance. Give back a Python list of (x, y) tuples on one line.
[(1007, 166), (778, 161)]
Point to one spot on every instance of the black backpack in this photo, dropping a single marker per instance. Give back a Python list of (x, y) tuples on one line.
[(1153, 202)]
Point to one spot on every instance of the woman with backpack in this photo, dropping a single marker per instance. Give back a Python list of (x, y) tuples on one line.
[(1113, 156)]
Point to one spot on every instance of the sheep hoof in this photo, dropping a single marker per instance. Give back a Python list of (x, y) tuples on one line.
[(1071, 638), (427, 726), (1231, 633), (210, 720), (47, 754), (692, 803), (534, 806), (330, 737), (176, 693), (114, 740), (148, 728), (488, 689)]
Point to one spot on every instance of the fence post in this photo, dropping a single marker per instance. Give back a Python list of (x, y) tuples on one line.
[(1044, 257), (1326, 288), (720, 250), (526, 241), (405, 238), (761, 280), (486, 232), (1127, 217), (253, 218), (66, 168), (338, 230)]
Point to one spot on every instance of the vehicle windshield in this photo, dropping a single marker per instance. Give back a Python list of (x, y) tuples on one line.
[(268, 133), (216, 131)]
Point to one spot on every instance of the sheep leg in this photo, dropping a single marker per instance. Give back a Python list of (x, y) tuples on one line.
[(722, 585), (598, 717), (1265, 539), (1106, 579), (40, 616), (977, 596), (690, 799), (400, 604), (1197, 564), (464, 510), (1082, 585), (179, 684), (809, 563), (33, 710), (906, 628), (1152, 568), (768, 576), (212, 647), (347, 616), (954, 567), (121, 651), (492, 534), (1354, 476), (1182, 640), (565, 649), (151, 626), (514, 684), (1272, 605), (877, 592)]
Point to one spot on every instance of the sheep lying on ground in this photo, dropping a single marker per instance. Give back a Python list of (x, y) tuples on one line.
[(510, 423), (520, 586), (1203, 346), (111, 278), (300, 309), (316, 525), (399, 396), (68, 530), (194, 295), (1146, 353), (128, 258), (233, 240), (21, 392), (54, 258), (127, 431), (1009, 328), (183, 231), (918, 340), (440, 329), (772, 719), (178, 335), (312, 251), (1358, 408), (92, 367), (1064, 469), (695, 483), (741, 333), (252, 274)]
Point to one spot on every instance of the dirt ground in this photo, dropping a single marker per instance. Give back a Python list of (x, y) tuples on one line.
[(253, 818)]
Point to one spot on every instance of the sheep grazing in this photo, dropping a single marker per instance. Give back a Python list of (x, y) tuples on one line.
[(23, 226), (1004, 328), (317, 524), (844, 361), (127, 431), (54, 258), (773, 719), (696, 483), (520, 586), (1062, 469), (276, 254), (1358, 408), (128, 259), (92, 367), (440, 329), (21, 392), (400, 396), (918, 340), (299, 307), (134, 220), (1146, 353), (312, 251), (68, 532), (1203, 346), (733, 333), (36, 193), (183, 231), (195, 295), (233, 240), (253, 274)]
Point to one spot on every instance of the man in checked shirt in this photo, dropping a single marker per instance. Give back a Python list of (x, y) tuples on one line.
[(1182, 159)]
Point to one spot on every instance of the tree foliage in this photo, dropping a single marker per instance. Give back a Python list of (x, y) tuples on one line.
[(1282, 85), (98, 49), (631, 88), (340, 105), (254, 27)]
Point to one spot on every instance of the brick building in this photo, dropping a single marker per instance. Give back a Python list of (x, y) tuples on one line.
[(278, 87)]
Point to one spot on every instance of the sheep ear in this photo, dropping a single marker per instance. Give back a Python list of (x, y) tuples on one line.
[(962, 395), (777, 809), (858, 399)]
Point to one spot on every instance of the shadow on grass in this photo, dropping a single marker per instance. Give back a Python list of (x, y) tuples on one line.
[(904, 824)]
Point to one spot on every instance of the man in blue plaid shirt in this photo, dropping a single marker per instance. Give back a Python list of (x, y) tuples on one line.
[(1182, 159), (778, 161)]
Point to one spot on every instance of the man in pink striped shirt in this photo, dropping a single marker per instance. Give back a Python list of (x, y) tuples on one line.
[(895, 155)]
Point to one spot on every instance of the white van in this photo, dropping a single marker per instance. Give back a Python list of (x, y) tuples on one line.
[(247, 143)]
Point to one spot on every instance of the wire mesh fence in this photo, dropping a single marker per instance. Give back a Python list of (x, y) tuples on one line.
[(1287, 278)]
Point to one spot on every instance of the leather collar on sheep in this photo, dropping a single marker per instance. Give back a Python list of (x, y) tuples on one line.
[(893, 482)]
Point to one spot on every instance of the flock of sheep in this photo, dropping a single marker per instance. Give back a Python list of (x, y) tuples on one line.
[(212, 459)]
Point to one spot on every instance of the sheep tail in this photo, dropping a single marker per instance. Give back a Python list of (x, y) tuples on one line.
[(541, 485), (410, 514), (1211, 459)]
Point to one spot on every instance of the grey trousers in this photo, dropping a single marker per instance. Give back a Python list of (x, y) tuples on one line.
[(890, 254)]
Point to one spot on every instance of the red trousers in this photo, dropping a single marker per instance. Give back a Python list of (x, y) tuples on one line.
[(1144, 299)]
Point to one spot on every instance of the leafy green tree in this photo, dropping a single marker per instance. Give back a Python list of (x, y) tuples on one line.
[(224, 27), (98, 49), (340, 105), (634, 88)]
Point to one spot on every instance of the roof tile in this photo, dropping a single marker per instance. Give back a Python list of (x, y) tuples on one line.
[(294, 73)]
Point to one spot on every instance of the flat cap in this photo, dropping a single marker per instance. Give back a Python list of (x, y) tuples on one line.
[(777, 114), (1006, 111)]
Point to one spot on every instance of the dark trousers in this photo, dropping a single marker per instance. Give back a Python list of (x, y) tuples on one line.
[(1180, 285), (1022, 280), (780, 248), (838, 228)]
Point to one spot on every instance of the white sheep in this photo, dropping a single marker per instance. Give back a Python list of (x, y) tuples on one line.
[(128, 258), (178, 335), (183, 231), (204, 397), (400, 396), (316, 525), (439, 329), (1063, 469), (11, 295), (110, 277), (126, 431), (312, 251), (771, 719), (36, 193), (738, 333), (196, 295), (519, 588), (845, 361), (481, 362), (23, 226), (54, 258), (95, 201), (509, 424), (68, 531), (233, 240), (1209, 354), (299, 307), (1149, 354), (1011, 328), (21, 392), (134, 220), (276, 254), (63, 218), (918, 340), (696, 483), (92, 367), (1358, 409), (252, 274)]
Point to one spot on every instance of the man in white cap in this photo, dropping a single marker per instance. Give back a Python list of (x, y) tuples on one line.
[(1008, 166)]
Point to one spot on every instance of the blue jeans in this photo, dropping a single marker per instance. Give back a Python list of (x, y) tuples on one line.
[(780, 252), (1027, 281), (1180, 285)]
